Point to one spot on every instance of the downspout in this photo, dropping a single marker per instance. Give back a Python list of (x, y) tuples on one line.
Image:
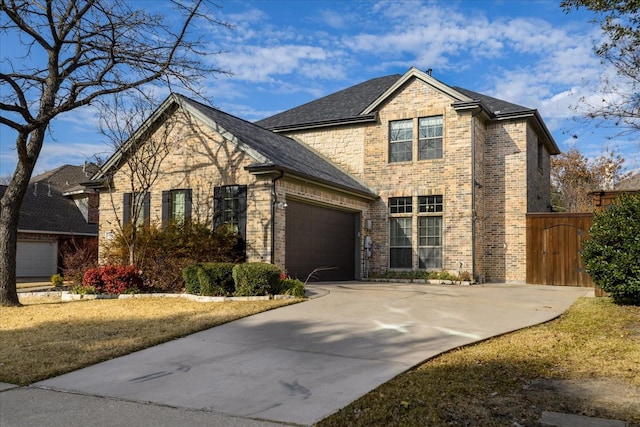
[(474, 214), (274, 195)]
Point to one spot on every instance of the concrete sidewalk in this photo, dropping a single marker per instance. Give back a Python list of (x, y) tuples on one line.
[(294, 365)]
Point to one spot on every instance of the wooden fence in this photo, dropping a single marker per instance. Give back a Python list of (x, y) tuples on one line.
[(554, 241)]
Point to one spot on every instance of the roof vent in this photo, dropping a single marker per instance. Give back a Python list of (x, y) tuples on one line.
[(429, 71)]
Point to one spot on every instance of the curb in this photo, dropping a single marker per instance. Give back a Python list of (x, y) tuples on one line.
[(68, 296)]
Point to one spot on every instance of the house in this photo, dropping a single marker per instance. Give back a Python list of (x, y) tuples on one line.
[(603, 198), (56, 209), (401, 172)]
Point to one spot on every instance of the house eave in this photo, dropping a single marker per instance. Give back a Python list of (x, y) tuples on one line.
[(269, 169), (366, 118), (60, 233)]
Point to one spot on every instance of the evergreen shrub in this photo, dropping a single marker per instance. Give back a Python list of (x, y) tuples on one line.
[(256, 278), (612, 254)]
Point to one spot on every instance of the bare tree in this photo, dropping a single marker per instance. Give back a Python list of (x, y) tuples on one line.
[(74, 53), (620, 24), (573, 176), (140, 149)]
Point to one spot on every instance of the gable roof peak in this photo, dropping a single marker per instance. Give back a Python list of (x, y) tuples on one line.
[(426, 77)]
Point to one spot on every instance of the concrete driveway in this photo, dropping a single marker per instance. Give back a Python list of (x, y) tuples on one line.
[(293, 365)]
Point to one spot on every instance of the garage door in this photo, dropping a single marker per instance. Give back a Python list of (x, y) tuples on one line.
[(36, 259), (320, 237)]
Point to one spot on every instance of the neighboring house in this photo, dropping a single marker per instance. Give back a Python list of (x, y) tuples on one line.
[(603, 198), (397, 173), (55, 210)]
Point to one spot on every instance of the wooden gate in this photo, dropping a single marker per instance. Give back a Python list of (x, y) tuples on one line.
[(554, 242)]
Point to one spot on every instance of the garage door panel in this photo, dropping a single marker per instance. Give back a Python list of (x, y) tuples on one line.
[(320, 237), (36, 259)]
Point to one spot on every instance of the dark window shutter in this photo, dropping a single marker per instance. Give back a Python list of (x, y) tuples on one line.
[(165, 208), (217, 207), (242, 211), (126, 208), (187, 205), (147, 209)]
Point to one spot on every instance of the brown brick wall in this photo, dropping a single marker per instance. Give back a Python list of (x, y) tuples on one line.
[(199, 159), (508, 183)]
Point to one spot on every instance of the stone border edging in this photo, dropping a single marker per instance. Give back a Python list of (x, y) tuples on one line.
[(68, 296)]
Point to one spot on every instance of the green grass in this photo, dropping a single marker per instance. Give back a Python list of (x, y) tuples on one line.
[(586, 362)]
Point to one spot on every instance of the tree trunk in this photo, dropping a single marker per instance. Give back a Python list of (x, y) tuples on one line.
[(10, 205)]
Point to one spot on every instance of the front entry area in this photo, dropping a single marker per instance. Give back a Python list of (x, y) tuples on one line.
[(320, 237)]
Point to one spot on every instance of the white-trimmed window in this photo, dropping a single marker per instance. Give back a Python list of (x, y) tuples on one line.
[(430, 232), (400, 235), (400, 141), (430, 138)]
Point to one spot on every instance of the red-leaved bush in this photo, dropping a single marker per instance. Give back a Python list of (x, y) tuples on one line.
[(113, 279)]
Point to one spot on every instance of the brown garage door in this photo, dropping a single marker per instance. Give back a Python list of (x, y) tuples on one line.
[(320, 237)]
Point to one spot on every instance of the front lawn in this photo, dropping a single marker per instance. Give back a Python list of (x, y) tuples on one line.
[(587, 362), (47, 337)]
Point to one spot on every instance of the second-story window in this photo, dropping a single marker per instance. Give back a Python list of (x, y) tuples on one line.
[(430, 138), (400, 140)]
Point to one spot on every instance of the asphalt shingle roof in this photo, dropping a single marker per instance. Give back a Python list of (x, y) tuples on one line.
[(495, 105), (345, 104), (45, 209), (280, 151), (351, 102)]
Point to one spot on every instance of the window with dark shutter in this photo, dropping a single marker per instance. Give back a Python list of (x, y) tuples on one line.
[(136, 205), (176, 206), (230, 207)]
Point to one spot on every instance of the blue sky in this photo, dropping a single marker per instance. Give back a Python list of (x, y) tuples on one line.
[(284, 53)]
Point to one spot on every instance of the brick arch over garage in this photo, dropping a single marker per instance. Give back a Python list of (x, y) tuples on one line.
[(321, 236)]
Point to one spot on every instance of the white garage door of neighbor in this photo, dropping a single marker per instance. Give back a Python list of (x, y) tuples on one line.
[(36, 259)]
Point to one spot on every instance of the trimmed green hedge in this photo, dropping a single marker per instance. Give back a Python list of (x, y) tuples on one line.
[(209, 279), (256, 278)]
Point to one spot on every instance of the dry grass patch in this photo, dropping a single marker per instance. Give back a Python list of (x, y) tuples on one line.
[(586, 362), (47, 337)]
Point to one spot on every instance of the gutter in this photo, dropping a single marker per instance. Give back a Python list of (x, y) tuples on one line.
[(474, 214), (270, 168), (62, 233), (335, 122)]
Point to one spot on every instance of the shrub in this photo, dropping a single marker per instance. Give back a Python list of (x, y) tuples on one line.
[(293, 287), (190, 277), (465, 276), (221, 278), (255, 278), (611, 254), (163, 253), (56, 280), (210, 279), (112, 279), (77, 257), (442, 275)]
